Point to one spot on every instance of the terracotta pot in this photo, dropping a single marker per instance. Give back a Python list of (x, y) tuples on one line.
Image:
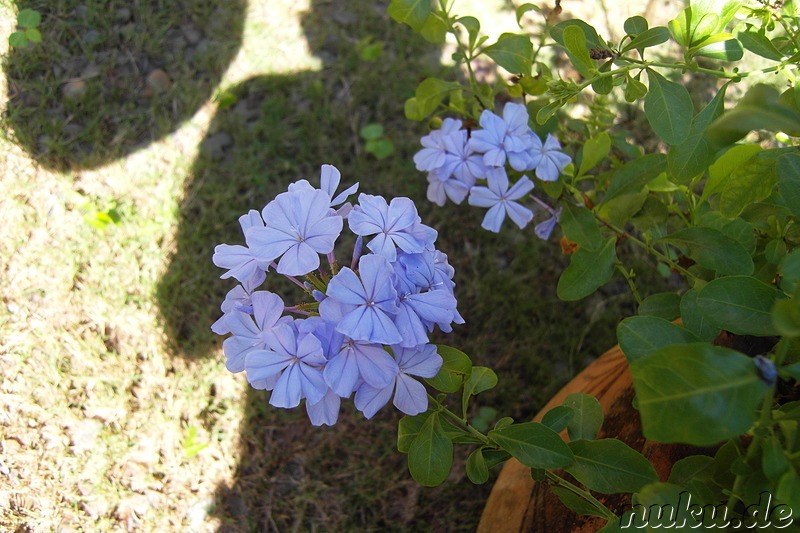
[(519, 504)]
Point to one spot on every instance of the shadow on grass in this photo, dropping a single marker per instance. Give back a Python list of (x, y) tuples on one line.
[(110, 77), (277, 129)]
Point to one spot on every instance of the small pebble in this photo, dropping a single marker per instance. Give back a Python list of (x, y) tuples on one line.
[(158, 81), (74, 89)]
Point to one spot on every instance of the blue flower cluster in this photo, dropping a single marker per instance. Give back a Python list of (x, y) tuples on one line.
[(364, 328), (456, 162)]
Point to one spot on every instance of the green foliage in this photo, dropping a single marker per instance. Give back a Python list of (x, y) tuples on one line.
[(641, 336), (430, 455), (456, 368), (28, 20), (609, 466), (534, 445), (587, 416)]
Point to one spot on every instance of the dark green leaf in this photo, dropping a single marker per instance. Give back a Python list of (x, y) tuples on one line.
[(620, 209), (593, 40), (380, 148), (557, 418), (408, 429), (371, 132), (473, 27), (524, 8), (790, 271), (696, 393), (431, 454), (788, 169), (634, 89), (641, 336), (741, 231), (580, 226), (696, 473), (587, 271), (773, 459), (29, 18), (691, 157), (575, 503), (634, 175), (605, 84), (786, 318), (609, 466), (412, 12), (533, 444), (456, 367), (513, 52), (480, 379), (669, 499), (669, 109), (694, 320), (666, 305), (788, 491), (635, 25), (712, 249), (648, 38), (739, 304), (587, 416), (477, 471), (759, 43)]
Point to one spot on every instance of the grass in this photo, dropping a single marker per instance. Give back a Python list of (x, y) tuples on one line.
[(116, 411)]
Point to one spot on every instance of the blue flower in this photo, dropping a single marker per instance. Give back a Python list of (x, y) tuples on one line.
[(252, 332), (363, 308), (544, 229), (239, 260), (437, 143), (299, 225), (500, 200), (410, 395), (357, 362), (294, 359), (508, 137), (236, 298), (326, 411), (394, 225), (547, 158)]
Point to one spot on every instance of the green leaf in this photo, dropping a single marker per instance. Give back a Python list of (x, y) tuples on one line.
[(669, 108), (575, 503), (634, 89), (666, 305), (790, 271), (786, 318), (412, 12), (480, 379), (605, 84), (33, 35), (760, 44), (594, 150), (579, 225), (712, 249), (587, 416), (698, 394), (634, 175), (408, 429), (473, 27), (575, 43), (434, 30), (720, 171), (635, 25), (412, 110), (587, 271), (609, 466), (29, 18), (758, 109), (691, 157), (477, 471), (371, 132), (739, 304), (533, 444), (773, 459), (788, 490), (18, 40), (668, 499), (558, 417), (381, 148), (593, 40), (641, 336), (648, 38), (696, 473), (513, 52), (456, 368), (787, 167), (430, 94), (722, 46), (694, 320), (524, 8), (431, 454), (753, 181)]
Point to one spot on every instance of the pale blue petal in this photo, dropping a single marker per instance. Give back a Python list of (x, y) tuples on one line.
[(342, 196), (375, 366), (369, 400), (267, 308), (433, 306), (522, 187), (312, 383), (236, 349), (288, 390), (329, 177), (262, 364), (298, 260), (482, 197), (494, 218), (410, 396), (412, 330), (341, 373), (423, 362), (326, 411), (346, 288), (519, 214)]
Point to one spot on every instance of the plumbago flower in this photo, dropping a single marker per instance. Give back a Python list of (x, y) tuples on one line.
[(361, 329), (459, 163)]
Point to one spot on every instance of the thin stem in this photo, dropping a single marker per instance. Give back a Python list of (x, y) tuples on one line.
[(630, 278), (460, 422), (585, 494), (293, 279)]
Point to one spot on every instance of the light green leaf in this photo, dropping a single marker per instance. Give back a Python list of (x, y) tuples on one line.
[(786, 318), (669, 108), (575, 43), (431, 454), (473, 27), (634, 89), (412, 12), (524, 8), (431, 92), (480, 379), (513, 52), (641, 336), (722, 46), (29, 18), (434, 30), (751, 182), (587, 271), (371, 132), (593, 40), (456, 368), (587, 416), (739, 304), (773, 459), (758, 109), (760, 44), (698, 394), (594, 150), (33, 35), (407, 430), (412, 110), (648, 38), (533, 444), (720, 171), (609, 466), (18, 40), (635, 25)]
